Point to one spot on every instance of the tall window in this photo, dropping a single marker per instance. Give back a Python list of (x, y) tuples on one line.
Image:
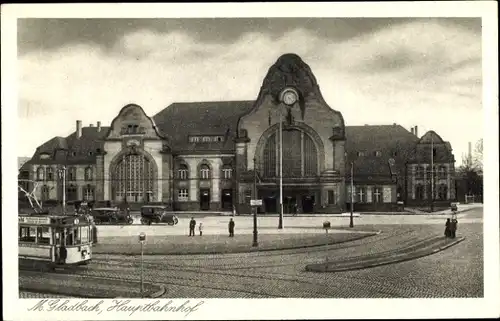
[(40, 174), (88, 173), (50, 174), (419, 192), (419, 172), (45, 192), (227, 172), (331, 197), (72, 174), (300, 155), (88, 193), (133, 179), (442, 172), (71, 193), (442, 192), (377, 195), (183, 195), (183, 172), (204, 172), (361, 194)]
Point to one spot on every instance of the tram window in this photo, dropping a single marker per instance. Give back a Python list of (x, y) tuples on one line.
[(73, 236), (57, 238), (43, 235), (27, 234), (84, 232)]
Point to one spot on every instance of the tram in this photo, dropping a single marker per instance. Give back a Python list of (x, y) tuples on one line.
[(55, 240)]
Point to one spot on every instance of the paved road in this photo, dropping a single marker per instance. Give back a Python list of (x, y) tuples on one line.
[(454, 272)]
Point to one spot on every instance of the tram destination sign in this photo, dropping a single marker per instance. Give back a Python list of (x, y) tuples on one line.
[(34, 220)]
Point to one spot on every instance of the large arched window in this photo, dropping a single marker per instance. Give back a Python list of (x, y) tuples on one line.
[(300, 155), (133, 179), (204, 171)]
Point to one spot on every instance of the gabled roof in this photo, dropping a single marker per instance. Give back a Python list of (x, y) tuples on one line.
[(70, 149), (393, 141), (84, 149), (180, 120)]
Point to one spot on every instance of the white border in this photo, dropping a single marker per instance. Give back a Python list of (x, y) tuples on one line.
[(277, 308)]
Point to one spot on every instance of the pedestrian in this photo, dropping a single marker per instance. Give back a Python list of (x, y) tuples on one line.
[(200, 228), (234, 210), (453, 228), (447, 229), (192, 225), (231, 228)]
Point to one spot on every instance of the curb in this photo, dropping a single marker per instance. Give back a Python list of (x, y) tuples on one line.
[(441, 248), (362, 236)]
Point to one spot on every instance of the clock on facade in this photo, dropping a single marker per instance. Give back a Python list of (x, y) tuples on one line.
[(289, 96)]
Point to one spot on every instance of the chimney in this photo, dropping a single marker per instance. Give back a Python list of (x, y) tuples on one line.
[(416, 131), (412, 131), (91, 125), (78, 128), (98, 126)]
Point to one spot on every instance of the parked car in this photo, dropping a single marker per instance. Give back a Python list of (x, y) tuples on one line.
[(111, 215), (157, 214)]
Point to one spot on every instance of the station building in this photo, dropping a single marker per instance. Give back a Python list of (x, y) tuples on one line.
[(211, 155)]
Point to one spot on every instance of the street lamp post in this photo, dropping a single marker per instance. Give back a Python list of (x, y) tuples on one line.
[(255, 242), (351, 218), (280, 223), (432, 174), (62, 174)]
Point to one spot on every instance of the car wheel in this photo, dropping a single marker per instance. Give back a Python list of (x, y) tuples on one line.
[(171, 223), (130, 221), (176, 221), (144, 221)]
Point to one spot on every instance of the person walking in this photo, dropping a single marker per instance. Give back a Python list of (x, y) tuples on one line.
[(231, 228), (200, 228), (453, 228), (447, 229), (192, 225)]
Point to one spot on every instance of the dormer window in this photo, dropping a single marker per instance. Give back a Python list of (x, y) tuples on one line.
[(44, 156)]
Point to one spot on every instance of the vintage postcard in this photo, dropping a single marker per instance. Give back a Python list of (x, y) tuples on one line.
[(250, 161)]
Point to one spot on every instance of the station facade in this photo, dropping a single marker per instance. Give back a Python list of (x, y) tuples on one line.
[(215, 156)]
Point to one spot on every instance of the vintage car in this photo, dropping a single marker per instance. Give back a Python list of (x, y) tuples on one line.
[(157, 214), (111, 215)]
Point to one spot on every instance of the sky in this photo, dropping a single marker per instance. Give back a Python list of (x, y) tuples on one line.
[(414, 72)]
